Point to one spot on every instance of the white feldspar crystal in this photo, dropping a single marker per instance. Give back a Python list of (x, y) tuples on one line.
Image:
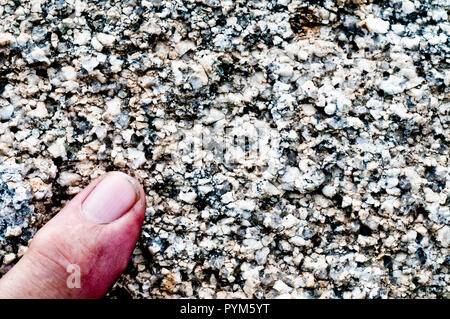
[(9, 258), (187, 197), (298, 241), (227, 197), (393, 85), (443, 236), (261, 255), (285, 70), (269, 188), (6, 38), (408, 6), (58, 148), (137, 157), (113, 108), (329, 191), (247, 204), (377, 25), (330, 108), (184, 46), (39, 55), (13, 231), (69, 73), (96, 44), (214, 115), (309, 88), (289, 221), (222, 42), (68, 178), (6, 111), (82, 37), (106, 39), (89, 63), (279, 158), (116, 64), (291, 175), (199, 78)]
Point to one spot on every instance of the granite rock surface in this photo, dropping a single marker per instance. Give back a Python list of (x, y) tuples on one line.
[(293, 149)]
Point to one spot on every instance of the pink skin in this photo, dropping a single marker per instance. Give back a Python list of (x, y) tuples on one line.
[(97, 230)]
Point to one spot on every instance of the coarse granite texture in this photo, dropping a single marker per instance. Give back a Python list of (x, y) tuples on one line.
[(332, 179)]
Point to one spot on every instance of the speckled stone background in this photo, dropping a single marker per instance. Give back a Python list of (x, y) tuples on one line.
[(347, 100)]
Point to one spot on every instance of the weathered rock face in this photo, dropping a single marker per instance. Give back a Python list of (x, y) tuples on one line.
[(287, 148)]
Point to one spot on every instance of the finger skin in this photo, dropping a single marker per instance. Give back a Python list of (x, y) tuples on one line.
[(101, 251)]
